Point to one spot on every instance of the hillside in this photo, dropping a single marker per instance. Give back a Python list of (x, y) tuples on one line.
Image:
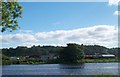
[(44, 50)]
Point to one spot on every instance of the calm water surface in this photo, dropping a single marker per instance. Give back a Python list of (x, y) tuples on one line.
[(59, 69)]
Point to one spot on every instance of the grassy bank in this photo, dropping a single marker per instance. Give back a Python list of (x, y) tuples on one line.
[(100, 60), (7, 62)]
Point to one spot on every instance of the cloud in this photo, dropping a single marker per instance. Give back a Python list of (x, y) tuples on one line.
[(117, 13), (114, 2), (104, 35), (18, 38)]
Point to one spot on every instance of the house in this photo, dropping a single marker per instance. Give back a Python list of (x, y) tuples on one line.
[(107, 56), (48, 57), (33, 57), (90, 56), (42, 57), (96, 56), (14, 58)]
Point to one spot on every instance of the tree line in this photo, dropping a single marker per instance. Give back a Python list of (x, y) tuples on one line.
[(44, 50), (72, 53)]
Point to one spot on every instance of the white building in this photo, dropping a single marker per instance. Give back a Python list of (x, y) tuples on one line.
[(108, 56)]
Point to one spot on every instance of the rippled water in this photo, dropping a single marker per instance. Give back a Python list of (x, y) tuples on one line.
[(60, 69)]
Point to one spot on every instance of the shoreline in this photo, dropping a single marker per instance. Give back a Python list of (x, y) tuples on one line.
[(83, 61)]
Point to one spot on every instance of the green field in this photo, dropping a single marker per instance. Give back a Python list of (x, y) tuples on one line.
[(100, 60)]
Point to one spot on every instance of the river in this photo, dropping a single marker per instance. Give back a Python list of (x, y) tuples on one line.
[(61, 69)]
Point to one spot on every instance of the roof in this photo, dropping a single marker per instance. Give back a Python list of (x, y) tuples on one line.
[(108, 55)]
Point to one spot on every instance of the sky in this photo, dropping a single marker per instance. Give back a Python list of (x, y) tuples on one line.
[(59, 23)]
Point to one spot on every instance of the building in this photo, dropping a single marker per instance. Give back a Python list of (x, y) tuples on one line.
[(92, 56), (107, 56), (32, 57), (14, 58), (48, 57), (42, 57)]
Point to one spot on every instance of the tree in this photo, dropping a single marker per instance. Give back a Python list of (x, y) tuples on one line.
[(9, 12), (71, 54)]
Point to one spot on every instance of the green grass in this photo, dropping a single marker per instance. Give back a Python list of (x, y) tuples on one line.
[(100, 60), (7, 62)]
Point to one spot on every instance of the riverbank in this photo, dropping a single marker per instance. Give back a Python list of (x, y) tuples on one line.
[(8, 62), (100, 60)]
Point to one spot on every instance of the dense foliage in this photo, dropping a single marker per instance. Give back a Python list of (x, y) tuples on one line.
[(44, 50), (73, 53), (9, 12), (34, 50)]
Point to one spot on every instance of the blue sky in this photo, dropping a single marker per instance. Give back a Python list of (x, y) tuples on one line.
[(42, 18)]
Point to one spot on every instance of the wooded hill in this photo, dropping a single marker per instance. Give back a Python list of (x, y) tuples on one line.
[(44, 50)]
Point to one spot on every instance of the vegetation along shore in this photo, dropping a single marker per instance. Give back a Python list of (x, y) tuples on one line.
[(72, 53)]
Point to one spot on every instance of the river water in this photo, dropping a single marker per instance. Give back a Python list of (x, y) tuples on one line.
[(61, 69)]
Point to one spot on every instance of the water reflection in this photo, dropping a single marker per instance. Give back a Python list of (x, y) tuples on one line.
[(71, 69), (66, 66)]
